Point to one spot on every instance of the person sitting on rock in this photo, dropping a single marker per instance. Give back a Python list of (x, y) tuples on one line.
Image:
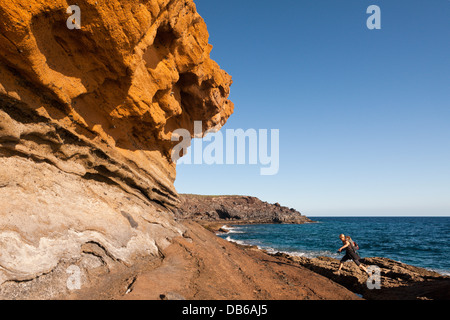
[(350, 254)]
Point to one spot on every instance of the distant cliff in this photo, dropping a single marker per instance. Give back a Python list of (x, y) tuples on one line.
[(236, 208)]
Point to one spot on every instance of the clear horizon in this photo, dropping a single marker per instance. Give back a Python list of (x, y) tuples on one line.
[(363, 115)]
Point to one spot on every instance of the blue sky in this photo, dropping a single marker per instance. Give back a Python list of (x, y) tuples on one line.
[(364, 115)]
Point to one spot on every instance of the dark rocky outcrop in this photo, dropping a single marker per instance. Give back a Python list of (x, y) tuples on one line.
[(236, 209)]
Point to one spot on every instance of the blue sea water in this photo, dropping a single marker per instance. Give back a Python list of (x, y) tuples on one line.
[(419, 241)]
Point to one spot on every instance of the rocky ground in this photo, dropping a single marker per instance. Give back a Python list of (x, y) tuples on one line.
[(86, 123), (201, 266), (399, 281), (87, 118)]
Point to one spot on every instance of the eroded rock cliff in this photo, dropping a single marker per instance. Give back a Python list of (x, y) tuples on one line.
[(86, 118), (105, 99)]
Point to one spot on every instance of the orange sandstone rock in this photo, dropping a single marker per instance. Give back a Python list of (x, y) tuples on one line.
[(113, 91)]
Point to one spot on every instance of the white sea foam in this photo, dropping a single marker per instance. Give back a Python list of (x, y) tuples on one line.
[(242, 243), (270, 250), (309, 254), (305, 254), (231, 229), (442, 272)]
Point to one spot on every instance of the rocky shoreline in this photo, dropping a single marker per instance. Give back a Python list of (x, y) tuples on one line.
[(275, 276), (201, 266), (398, 281)]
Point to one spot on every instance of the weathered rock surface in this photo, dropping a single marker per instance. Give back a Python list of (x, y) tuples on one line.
[(51, 220), (86, 119), (399, 281), (205, 267), (236, 209), (105, 99)]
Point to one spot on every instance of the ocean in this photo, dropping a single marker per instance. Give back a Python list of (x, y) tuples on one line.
[(418, 241)]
